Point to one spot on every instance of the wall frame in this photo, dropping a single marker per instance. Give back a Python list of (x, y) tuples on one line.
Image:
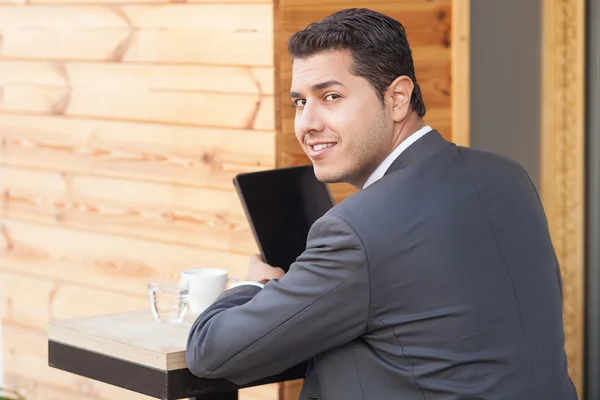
[(592, 339), (563, 161)]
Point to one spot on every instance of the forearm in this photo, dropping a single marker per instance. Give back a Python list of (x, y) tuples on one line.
[(321, 303)]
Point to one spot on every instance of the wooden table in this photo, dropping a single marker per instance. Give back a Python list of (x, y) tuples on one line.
[(132, 351)]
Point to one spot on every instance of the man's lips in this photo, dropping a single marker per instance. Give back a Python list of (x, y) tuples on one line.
[(319, 149)]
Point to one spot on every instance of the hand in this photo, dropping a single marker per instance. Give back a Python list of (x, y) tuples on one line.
[(258, 271)]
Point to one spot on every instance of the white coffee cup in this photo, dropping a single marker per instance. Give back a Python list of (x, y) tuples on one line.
[(205, 285)]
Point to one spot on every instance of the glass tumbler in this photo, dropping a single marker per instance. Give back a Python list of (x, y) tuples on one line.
[(168, 300)]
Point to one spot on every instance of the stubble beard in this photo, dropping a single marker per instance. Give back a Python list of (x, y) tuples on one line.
[(364, 154)]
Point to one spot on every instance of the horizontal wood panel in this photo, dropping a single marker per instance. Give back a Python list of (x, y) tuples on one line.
[(32, 302), (236, 34), (118, 44), (25, 300), (238, 111), (433, 53), (117, 78), (200, 109), (109, 262), (242, 17), (265, 392), (435, 83), (129, 2), (212, 219), (425, 23), (33, 390), (197, 95), (26, 354), (373, 4), (171, 154)]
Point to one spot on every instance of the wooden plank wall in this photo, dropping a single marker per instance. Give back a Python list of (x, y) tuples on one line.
[(428, 26), (429, 30), (122, 123)]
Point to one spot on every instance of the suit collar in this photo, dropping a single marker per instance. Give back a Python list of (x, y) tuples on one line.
[(429, 144)]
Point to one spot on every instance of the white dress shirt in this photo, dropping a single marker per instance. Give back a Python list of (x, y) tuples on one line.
[(376, 175)]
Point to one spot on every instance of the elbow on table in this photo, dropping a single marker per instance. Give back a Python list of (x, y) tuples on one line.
[(206, 360), (211, 364), (197, 361), (198, 365)]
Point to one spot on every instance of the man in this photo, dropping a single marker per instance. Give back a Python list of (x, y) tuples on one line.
[(437, 280)]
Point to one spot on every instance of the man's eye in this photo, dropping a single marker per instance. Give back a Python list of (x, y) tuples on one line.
[(332, 97), (300, 103)]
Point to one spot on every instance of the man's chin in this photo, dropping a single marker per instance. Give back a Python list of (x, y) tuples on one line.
[(326, 175)]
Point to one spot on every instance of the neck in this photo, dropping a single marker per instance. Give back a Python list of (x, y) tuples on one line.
[(402, 130)]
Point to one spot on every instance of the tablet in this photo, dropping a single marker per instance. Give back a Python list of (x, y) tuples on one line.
[(281, 205)]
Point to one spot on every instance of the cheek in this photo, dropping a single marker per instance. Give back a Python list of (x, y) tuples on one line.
[(366, 133), (344, 122), (297, 129), (348, 123)]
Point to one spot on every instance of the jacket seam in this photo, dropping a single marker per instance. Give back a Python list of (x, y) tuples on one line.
[(557, 264), (412, 365), (362, 392), (368, 268), (512, 282)]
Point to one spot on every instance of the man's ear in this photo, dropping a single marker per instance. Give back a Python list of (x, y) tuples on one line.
[(399, 93)]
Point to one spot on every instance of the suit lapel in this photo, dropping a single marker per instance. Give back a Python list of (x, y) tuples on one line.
[(429, 144)]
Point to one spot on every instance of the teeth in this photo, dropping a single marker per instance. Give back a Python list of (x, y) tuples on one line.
[(322, 146)]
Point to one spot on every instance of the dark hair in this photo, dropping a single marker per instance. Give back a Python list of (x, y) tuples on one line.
[(378, 45)]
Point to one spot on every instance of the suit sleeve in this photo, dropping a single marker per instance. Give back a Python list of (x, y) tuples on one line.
[(320, 304)]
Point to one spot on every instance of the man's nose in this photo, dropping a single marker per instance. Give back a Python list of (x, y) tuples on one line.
[(310, 119)]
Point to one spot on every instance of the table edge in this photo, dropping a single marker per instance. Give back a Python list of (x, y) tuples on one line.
[(116, 349), (161, 384)]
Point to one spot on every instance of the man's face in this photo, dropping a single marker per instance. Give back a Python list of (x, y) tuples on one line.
[(340, 122)]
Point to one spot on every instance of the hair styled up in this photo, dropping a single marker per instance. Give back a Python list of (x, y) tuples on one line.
[(377, 43)]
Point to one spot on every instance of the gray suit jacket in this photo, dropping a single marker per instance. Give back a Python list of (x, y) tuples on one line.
[(439, 281)]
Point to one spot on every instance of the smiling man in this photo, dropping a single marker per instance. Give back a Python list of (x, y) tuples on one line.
[(437, 280), (348, 125)]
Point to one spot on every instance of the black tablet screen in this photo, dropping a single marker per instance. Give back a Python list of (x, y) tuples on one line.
[(281, 206)]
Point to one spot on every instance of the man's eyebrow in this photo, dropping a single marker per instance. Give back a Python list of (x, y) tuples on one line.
[(318, 86), (325, 85)]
